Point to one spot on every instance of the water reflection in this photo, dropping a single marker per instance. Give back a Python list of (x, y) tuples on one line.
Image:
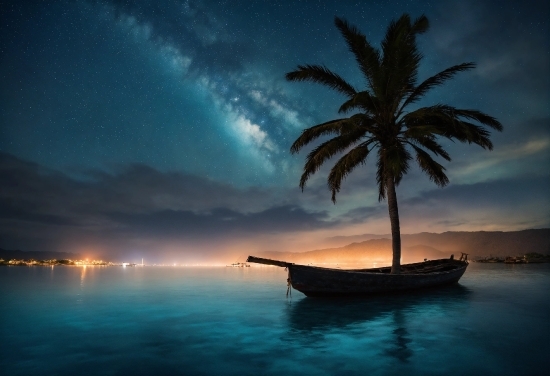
[(327, 313), (81, 292), (82, 276), (401, 338), (382, 318)]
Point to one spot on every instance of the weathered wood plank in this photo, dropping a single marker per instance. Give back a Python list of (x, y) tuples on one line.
[(259, 260)]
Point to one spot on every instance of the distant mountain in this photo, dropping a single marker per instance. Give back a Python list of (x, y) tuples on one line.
[(417, 247), (484, 243), (339, 241), (370, 251), (26, 255)]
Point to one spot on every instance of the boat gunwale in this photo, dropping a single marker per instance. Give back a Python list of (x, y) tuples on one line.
[(460, 264), (367, 272)]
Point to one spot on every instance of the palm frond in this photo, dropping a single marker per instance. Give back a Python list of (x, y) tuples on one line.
[(397, 161), (430, 144), (434, 81), (360, 121), (471, 133), (481, 117), (323, 129), (327, 150), (425, 115), (420, 25), (448, 121), (434, 170), (420, 129), (362, 101), (398, 44), (321, 75), (401, 60), (393, 161), (367, 57), (345, 165)]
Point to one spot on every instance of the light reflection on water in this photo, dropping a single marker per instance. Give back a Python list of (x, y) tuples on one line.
[(109, 320)]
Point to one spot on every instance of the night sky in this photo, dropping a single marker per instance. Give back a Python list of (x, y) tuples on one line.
[(162, 129)]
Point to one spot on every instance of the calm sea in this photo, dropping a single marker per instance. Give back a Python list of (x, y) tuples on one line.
[(237, 321)]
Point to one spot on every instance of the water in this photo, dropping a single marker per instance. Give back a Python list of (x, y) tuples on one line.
[(237, 321)]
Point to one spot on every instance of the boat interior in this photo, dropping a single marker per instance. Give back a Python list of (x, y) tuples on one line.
[(433, 266)]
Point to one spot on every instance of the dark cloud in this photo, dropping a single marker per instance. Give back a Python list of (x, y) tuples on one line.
[(509, 193), (220, 222), (137, 202), (361, 214), (512, 203)]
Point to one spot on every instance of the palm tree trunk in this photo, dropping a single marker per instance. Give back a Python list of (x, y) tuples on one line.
[(395, 230)]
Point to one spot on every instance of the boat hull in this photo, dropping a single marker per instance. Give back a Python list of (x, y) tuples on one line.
[(315, 281)]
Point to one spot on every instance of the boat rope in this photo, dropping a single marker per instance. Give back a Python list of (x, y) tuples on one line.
[(288, 285), (288, 289)]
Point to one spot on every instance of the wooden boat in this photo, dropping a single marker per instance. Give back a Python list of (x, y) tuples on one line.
[(317, 281)]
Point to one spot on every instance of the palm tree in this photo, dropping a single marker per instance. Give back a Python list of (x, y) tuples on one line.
[(381, 122)]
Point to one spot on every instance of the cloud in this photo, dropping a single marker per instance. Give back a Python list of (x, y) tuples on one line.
[(219, 222), (502, 204), (138, 206), (131, 188), (137, 202), (505, 162)]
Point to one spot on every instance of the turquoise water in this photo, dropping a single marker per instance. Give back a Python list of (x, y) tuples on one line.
[(237, 321)]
